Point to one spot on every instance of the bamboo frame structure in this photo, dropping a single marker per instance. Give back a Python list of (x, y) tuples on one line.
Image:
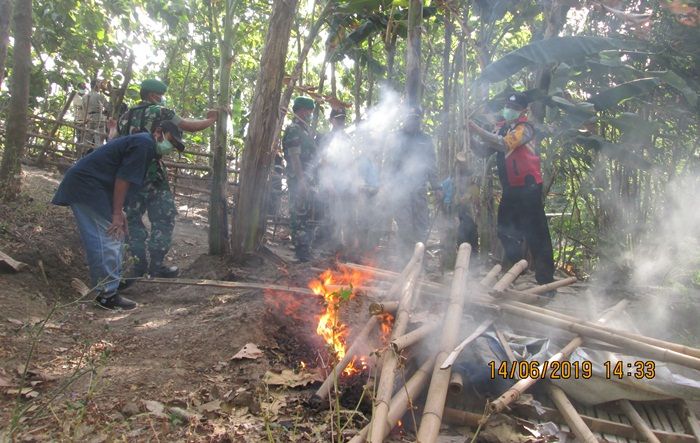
[(390, 361), (413, 337), (439, 383), (571, 416), (637, 421), (521, 386)]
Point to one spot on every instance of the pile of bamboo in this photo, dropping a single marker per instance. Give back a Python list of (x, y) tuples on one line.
[(394, 395)]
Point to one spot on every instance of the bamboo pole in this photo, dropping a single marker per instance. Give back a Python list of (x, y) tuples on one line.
[(691, 420), (693, 352), (320, 396), (571, 416), (521, 386), (376, 308), (437, 392), (224, 284), (608, 336), (465, 418), (380, 407), (541, 289), (401, 401), (510, 276), (490, 278), (456, 385), (413, 337), (452, 356), (637, 421)]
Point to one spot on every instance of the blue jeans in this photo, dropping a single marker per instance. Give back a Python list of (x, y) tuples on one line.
[(104, 253)]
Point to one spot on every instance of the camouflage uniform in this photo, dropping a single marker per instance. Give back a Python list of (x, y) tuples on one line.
[(154, 196), (297, 138)]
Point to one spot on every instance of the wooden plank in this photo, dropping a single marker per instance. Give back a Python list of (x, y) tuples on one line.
[(674, 417)]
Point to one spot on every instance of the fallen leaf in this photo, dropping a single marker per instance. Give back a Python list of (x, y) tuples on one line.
[(250, 350), (25, 392), (211, 406), (14, 321), (291, 379), (5, 383)]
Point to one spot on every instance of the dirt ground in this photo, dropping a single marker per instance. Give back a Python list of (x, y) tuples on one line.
[(165, 372)]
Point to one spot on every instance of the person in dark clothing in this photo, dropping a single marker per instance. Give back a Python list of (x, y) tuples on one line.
[(96, 189), (412, 164), (521, 216)]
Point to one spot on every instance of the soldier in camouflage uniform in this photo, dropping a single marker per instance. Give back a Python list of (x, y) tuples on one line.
[(300, 153), (155, 196)]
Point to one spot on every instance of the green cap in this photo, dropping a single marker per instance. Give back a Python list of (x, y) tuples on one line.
[(303, 102), (153, 85)]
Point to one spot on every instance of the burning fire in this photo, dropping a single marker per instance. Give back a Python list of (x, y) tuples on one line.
[(336, 288)]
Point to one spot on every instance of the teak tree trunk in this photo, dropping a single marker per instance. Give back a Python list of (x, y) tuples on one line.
[(16, 128), (218, 207), (257, 156)]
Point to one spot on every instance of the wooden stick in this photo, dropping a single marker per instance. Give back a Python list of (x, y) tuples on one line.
[(437, 392), (521, 386), (390, 361), (570, 415), (490, 278), (322, 393), (224, 284), (505, 344), (510, 276), (608, 336), (459, 417), (637, 421), (401, 401), (413, 337)]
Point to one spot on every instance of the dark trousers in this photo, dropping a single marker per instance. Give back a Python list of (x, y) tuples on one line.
[(521, 219)]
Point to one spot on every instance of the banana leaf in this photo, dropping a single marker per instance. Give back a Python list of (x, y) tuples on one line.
[(552, 50), (612, 97), (618, 151)]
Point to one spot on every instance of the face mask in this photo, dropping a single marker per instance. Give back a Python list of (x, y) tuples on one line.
[(164, 147), (162, 101), (510, 114)]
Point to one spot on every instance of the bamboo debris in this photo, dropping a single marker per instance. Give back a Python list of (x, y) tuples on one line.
[(570, 415), (637, 421), (413, 337), (390, 361), (606, 335), (510, 276), (456, 385), (693, 352), (459, 417), (376, 308), (431, 287), (322, 393), (224, 284), (401, 401), (450, 359), (541, 289), (437, 392), (521, 386), (490, 278), (691, 420)]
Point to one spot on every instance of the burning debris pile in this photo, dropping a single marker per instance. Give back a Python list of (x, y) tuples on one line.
[(418, 359)]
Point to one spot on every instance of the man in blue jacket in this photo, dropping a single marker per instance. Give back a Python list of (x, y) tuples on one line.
[(96, 189)]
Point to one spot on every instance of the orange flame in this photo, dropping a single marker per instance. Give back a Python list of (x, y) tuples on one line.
[(331, 287)]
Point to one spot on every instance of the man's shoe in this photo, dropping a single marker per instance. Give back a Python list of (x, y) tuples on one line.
[(125, 283), (165, 271), (114, 302)]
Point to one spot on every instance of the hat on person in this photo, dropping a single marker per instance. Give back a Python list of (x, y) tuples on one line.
[(303, 102), (153, 85), (519, 100), (170, 127), (337, 113)]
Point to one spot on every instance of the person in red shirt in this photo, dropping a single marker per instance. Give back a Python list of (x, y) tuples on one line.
[(521, 216)]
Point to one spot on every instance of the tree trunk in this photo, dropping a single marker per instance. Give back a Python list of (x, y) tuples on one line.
[(444, 146), (57, 124), (5, 14), (121, 92), (16, 127), (358, 87), (257, 157), (218, 208), (413, 61)]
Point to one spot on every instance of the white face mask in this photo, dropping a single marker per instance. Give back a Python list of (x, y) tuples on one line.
[(510, 114), (164, 147)]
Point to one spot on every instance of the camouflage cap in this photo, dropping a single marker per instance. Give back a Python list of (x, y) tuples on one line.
[(303, 102), (170, 127), (153, 85)]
